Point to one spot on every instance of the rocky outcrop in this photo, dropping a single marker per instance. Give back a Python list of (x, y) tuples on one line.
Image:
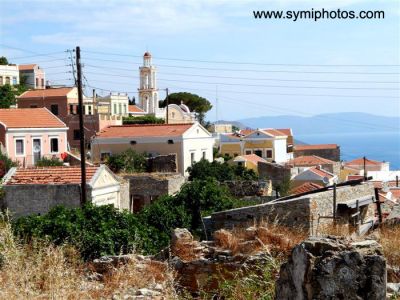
[(333, 268)]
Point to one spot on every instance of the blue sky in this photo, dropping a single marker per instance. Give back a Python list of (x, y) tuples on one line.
[(179, 34)]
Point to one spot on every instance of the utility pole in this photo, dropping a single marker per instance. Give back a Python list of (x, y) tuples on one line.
[(166, 90), (81, 127), (365, 169)]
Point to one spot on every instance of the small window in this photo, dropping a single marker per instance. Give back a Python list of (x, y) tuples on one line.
[(120, 108), (269, 153), (89, 110), (37, 82), (19, 147), (14, 80), (235, 154), (192, 158), (133, 142), (54, 145), (77, 134), (204, 155), (71, 109), (248, 152), (33, 106), (258, 153), (104, 156), (42, 82), (8, 80), (54, 109), (240, 163), (115, 108), (1, 80), (170, 141)]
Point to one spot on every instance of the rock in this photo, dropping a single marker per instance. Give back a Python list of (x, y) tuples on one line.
[(393, 287), (107, 263), (181, 235), (223, 238), (332, 268)]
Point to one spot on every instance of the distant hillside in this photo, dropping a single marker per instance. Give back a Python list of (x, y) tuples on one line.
[(326, 123)]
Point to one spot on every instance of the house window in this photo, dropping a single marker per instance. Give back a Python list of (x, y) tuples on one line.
[(120, 108), (71, 109), (170, 141), (54, 109), (235, 154), (19, 147), (33, 106), (104, 156), (14, 80), (77, 134), (133, 142), (192, 158), (248, 152), (37, 82), (54, 145), (269, 153), (42, 82), (1, 80), (115, 108), (258, 153), (7, 80), (89, 110), (204, 154), (125, 109)]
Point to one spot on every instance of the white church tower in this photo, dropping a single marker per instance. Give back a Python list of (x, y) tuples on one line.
[(148, 92)]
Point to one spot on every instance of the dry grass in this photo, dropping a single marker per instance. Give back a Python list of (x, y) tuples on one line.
[(389, 237), (273, 238), (40, 270)]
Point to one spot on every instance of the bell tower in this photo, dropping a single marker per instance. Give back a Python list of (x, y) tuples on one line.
[(148, 93)]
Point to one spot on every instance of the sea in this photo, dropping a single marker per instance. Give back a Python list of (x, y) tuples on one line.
[(382, 146)]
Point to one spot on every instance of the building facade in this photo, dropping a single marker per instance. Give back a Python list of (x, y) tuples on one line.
[(9, 74), (328, 151), (28, 135), (190, 142), (34, 76)]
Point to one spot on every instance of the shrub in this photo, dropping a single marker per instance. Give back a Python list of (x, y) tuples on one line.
[(128, 161), (148, 119), (221, 172), (49, 162), (5, 164)]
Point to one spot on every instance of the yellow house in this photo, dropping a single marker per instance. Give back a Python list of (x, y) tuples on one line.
[(270, 144), (248, 161)]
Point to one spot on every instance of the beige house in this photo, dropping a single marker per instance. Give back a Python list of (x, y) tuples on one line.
[(190, 142), (36, 190)]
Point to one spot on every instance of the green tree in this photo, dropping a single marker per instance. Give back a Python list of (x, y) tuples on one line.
[(148, 119), (128, 161), (5, 164), (3, 60), (7, 96), (284, 187), (197, 104)]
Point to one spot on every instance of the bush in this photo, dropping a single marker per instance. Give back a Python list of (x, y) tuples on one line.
[(5, 164), (148, 119), (128, 161), (221, 172), (49, 162)]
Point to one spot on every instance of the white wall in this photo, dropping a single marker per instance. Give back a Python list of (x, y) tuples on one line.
[(280, 150), (9, 71)]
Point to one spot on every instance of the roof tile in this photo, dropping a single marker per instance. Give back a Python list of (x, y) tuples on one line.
[(29, 118), (147, 130)]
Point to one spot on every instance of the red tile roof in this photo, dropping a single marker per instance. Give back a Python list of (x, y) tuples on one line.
[(26, 67), (315, 147), (360, 162), (305, 187), (269, 131), (53, 92), (311, 160), (148, 130), (246, 131), (321, 172), (286, 131), (134, 108), (252, 157), (273, 132), (354, 177), (29, 118), (50, 175)]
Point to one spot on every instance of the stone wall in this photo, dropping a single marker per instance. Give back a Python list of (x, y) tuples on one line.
[(248, 188), (332, 154), (24, 200), (147, 187), (309, 212), (124, 194), (163, 164), (275, 172)]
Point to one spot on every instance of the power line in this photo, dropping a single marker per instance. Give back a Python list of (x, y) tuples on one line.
[(253, 70), (253, 78), (246, 63)]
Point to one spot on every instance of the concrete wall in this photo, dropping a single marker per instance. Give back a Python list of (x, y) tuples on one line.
[(304, 212), (22, 200)]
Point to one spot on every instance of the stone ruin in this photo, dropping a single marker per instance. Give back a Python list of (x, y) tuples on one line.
[(333, 268)]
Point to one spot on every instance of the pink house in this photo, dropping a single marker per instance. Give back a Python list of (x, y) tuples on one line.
[(29, 134)]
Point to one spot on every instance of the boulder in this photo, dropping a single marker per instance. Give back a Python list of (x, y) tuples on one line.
[(333, 268)]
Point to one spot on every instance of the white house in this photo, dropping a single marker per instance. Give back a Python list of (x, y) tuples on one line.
[(9, 74), (190, 142)]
